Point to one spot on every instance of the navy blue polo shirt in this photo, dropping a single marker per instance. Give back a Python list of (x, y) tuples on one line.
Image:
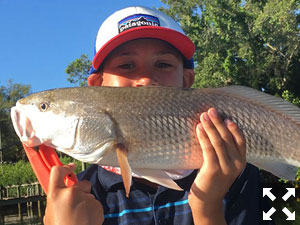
[(243, 204)]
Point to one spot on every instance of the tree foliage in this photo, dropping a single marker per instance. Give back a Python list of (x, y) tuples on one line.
[(21, 172), (11, 145), (249, 42), (16, 174), (78, 70)]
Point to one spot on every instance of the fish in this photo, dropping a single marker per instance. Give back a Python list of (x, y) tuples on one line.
[(151, 130)]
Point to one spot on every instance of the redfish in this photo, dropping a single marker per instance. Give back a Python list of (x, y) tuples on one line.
[(151, 130)]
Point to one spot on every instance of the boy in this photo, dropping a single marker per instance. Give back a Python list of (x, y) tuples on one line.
[(138, 46)]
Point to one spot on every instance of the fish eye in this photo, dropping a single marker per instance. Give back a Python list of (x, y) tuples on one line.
[(43, 106)]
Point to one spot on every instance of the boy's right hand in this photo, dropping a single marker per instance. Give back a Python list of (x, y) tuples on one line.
[(71, 205), (224, 157)]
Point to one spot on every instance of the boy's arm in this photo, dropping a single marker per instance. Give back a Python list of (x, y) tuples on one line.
[(224, 157), (71, 205)]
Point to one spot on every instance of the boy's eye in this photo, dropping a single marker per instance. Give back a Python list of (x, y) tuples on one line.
[(163, 65), (126, 66)]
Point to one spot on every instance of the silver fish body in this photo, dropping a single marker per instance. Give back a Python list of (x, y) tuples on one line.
[(157, 125)]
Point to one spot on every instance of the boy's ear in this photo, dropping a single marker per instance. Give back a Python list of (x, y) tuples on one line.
[(188, 77), (95, 79)]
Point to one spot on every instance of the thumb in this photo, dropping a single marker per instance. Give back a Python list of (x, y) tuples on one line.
[(57, 175)]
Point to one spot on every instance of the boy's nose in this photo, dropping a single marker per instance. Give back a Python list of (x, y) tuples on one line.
[(145, 81)]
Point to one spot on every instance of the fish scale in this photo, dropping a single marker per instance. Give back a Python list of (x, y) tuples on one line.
[(157, 125)]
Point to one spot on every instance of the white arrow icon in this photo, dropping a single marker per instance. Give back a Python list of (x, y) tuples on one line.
[(290, 192), (290, 216), (267, 192), (267, 215)]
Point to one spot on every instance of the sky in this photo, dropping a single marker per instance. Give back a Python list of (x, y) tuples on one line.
[(40, 38)]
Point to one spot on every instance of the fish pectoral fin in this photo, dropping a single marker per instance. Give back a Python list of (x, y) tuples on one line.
[(279, 169), (159, 177), (126, 174)]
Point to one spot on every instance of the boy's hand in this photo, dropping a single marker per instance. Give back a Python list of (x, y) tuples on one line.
[(224, 157), (70, 205)]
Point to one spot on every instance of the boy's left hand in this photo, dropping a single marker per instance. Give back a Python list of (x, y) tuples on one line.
[(224, 157)]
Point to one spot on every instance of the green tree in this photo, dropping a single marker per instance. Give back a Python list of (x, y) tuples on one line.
[(253, 43), (78, 70), (11, 145)]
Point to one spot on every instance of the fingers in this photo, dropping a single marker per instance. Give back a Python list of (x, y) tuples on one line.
[(84, 186), (240, 142), (215, 131), (225, 140), (238, 137), (57, 179), (208, 152), (221, 133), (58, 174)]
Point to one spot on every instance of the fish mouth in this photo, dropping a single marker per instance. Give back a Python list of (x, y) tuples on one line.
[(24, 128)]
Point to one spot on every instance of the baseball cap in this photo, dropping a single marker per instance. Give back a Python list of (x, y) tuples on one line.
[(140, 22)]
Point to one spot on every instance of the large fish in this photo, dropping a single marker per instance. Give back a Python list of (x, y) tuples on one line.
[(156, 127)]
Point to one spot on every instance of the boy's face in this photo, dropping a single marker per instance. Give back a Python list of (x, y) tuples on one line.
[(144, 62)]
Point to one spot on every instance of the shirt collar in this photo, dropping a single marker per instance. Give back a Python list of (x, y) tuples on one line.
[(111, 180), (108, 179)]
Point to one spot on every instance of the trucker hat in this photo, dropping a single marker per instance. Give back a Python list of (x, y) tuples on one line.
[(140, 22)]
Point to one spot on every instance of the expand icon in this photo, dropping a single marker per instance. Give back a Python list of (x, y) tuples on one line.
[(290, 192)]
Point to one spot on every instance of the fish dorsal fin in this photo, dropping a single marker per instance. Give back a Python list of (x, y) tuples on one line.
[(274, 103), (159, 177)]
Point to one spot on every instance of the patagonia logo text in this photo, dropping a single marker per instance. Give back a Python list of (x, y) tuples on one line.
[(137, 20)]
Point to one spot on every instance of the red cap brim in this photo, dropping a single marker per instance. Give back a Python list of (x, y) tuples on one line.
[(180, 41)]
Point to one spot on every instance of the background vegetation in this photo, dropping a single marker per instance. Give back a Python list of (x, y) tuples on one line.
[(21, 172), (255, 43)]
